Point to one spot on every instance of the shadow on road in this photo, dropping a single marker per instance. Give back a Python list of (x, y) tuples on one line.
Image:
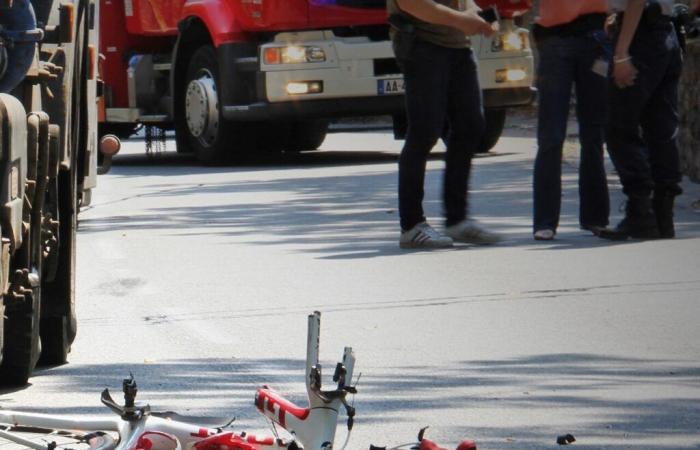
[(326, 211), (533, 389)]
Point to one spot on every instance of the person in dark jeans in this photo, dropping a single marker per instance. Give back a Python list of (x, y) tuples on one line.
[(431, 44), (574, 51), (644, 119)]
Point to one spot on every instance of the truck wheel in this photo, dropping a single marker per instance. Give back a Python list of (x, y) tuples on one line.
[(495, 121), (272, 136), (58, 322), (307, 135), (212, 138), (22, 331)]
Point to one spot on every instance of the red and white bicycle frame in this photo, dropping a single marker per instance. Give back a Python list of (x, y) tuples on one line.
[(314, 426)]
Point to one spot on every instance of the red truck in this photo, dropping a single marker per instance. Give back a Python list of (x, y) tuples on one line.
[(236, 76)]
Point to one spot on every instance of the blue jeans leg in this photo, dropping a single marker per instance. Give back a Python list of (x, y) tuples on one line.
[(555, 77), (591, 111)]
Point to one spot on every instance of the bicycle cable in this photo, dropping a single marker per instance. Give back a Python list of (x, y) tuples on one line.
[(274, 428), (352, 405)]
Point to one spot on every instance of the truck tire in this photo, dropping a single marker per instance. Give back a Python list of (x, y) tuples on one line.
[(307, 135), (22, 330), (58, 319), (213, 139), (58, 322), (495, 121)]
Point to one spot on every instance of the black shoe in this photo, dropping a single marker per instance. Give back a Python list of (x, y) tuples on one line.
[(662, 203), (639, 222), (595, 229)]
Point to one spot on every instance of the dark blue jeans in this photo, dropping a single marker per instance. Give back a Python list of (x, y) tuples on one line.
[(566, 62), (441, 84), (648, 160)]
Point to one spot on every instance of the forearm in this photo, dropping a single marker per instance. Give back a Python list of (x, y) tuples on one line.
[(630, 22), (431, 12)]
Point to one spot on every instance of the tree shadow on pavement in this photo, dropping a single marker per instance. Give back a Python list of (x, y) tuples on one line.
[(344, 216), (606, 401)]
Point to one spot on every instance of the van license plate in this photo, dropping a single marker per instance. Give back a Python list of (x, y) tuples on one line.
[(391, 86)]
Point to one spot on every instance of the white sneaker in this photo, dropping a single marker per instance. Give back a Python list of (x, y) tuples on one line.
[(470, 232), (424, 236), (544, 235)]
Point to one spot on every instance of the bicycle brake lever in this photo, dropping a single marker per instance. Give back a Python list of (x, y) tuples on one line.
[(421, 433), (109, 402)]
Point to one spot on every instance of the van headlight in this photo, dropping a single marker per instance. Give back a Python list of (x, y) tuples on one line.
[(294, 54), (511, 41)]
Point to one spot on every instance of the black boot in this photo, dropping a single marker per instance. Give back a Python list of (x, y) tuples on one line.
[(662, 203), (639, 222)]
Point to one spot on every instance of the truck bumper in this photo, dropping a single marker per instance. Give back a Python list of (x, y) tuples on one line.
[(368, 106), (309, 109), (350, 80), (504, 98)]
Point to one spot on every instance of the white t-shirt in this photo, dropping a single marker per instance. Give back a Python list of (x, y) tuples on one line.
[(621, 5)]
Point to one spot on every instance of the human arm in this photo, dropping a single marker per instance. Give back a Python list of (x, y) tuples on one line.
[(467, 21), (624, 72), (696, 6)]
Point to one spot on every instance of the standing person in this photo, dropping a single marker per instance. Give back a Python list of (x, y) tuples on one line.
[(573, 51), (431, 43), (644, 96)]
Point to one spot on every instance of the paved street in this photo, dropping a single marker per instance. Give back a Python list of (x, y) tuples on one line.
[(199, 280)]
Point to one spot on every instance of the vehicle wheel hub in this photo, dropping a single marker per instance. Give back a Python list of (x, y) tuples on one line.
[(202, 109)]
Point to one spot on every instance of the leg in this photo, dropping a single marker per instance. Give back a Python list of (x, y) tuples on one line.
[(627, 149), (660, 123), (426, 92), (554, 81), (660, 127), (591, 110), (466, 118)]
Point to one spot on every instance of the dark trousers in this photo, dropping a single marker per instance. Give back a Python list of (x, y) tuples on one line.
[(643, 128), (441, 84), (565, 62)]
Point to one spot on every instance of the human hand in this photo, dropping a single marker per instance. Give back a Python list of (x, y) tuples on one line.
[(624, 74), (610, 22), (469, 23)]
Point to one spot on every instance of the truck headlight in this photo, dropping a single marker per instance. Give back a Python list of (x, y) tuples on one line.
[(510, 75), (304, 87), (511, 41), (294, 54)]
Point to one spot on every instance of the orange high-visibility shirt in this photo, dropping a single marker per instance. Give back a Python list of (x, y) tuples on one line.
[(559, 12)]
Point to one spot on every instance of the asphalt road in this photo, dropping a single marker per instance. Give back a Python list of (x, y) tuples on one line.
[(199, 280)]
